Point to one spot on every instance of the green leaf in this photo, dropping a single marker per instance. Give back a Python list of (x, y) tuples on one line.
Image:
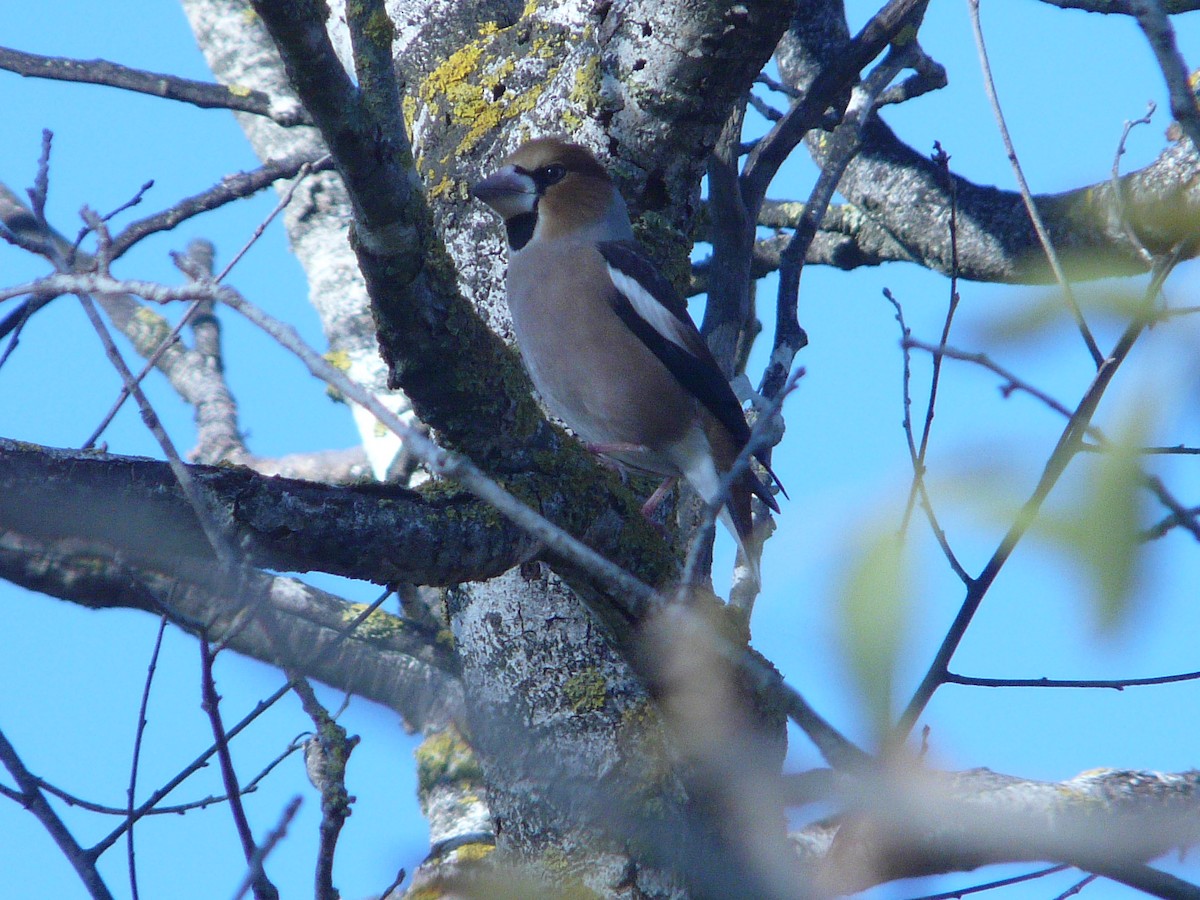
[(1049, 313), (874, 615), (1102, 532)]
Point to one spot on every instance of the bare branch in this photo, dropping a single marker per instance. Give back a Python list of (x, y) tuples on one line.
[(992, 885), (1064, 451), (170, 87), (178, 809), (375, 533), (1026, 195), (210, 703), (30, 796), (769, 154), (1152, 18), (325, 756), (1116, 684), (789, 336), (131, 793), (917, 822), (1012, 381), (917, 456), (1124, 7), (230, 188), (260, 855)]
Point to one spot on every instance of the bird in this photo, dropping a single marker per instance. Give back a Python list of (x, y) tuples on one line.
[(607, 340)]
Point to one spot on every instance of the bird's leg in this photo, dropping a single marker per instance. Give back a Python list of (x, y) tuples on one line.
[(656, 498)]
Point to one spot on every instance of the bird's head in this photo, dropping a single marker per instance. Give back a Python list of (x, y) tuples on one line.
[(551, 188)]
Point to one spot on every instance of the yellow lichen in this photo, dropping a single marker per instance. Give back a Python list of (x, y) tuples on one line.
[(408, 108), (446, 758), (339, 359), (585, 92), (586, 88), (378, 624), (379, 28), (472, 87), (473, 852), (587, 691), (152, 330)]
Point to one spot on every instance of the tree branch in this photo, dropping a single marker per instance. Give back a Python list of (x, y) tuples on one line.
[(1124, 7), (388, 660), (917, 822), (30, 796), (170, 87), (1152, 17), (376, 533), (231, 187)]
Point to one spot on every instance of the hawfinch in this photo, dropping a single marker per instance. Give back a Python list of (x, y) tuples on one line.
[(606, 339)]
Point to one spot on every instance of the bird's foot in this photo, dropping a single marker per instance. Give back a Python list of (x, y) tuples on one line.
[(656, 498)]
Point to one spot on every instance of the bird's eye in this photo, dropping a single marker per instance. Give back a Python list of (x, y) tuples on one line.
[(552, 174)]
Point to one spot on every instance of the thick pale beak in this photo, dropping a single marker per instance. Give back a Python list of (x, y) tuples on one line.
[(507, 191)]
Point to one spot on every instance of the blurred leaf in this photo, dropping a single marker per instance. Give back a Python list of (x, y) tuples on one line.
[(1101, 533), (874, 618), (1049, 312)]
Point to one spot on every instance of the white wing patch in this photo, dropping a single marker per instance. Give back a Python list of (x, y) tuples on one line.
[(658, 316)]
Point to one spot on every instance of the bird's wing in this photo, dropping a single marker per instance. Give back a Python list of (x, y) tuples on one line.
[(650, 307), (653, 310)]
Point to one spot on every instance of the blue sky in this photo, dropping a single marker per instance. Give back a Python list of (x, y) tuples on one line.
[(1068, 81)]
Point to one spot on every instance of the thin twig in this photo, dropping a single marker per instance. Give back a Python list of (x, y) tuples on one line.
[(1064, 451), (918, 454), (1076, 887), (128, 204), (1181, 515), (1119, 186), (327, 753), (1026, 195), (1157, 530), (767, 81), (992, 885), (760, 438), (1116, 684), (834, 79), (303, 170), (256, 873), (763, 108), (201, 761), (188, 771), (918, 462), (396, 882), (177, 809), (210, 703), (1012, 381), (230, 188), (131, 794)]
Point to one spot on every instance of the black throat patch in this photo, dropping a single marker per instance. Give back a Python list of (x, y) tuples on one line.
[(520, 229)]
